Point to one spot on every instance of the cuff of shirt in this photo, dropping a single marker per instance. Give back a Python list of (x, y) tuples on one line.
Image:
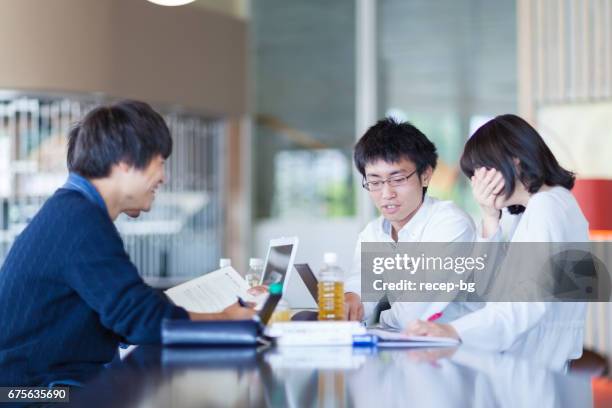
[(493, 238), (464, 326), (472, 331)]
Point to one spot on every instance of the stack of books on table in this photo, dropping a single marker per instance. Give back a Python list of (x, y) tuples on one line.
[(332, 333), (341, 333)]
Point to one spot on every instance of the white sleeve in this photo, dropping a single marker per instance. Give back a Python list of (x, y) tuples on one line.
[(497, 326), (402, 313), (505, 229), (352, 280), (450, 228), (496, 237)]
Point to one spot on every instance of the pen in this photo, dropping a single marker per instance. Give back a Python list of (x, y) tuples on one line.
[(364, 340), (241, 302), (434, 317)]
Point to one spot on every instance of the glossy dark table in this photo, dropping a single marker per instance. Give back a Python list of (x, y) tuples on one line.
[(330, 377)]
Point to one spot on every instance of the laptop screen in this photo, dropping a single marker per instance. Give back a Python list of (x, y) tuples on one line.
[(268, 308), (309, 278), (277, 264)]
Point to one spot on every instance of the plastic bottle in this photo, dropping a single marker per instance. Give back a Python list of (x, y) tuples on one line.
[(331, 289), (224, 262), (253, 275)]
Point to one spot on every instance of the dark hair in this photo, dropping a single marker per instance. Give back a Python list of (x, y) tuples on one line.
[(127, 131), (391, 141), (499, 142)]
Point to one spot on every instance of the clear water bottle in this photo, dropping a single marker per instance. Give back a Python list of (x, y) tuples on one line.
[(331, 289), (224, 262), (253, 275)]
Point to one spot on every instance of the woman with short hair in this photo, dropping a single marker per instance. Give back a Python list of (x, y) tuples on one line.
[(511, 168)]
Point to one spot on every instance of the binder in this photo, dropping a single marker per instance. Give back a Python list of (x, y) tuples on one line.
[(238, 333)]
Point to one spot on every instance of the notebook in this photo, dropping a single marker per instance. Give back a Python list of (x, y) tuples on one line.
[(388, 338)]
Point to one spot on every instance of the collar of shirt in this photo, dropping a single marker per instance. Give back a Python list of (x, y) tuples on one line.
[(413, 228), (81, 184)]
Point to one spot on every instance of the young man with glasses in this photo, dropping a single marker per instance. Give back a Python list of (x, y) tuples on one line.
[(396, 162)]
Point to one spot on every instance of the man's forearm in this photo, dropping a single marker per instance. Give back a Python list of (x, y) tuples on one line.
[(206, 316)]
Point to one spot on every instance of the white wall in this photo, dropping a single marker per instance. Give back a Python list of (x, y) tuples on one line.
[(178, 56), (316, 237)]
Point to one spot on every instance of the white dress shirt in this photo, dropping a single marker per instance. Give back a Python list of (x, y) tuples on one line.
[(434, 221), (549, 333)]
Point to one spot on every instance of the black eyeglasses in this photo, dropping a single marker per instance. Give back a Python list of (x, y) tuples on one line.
[(377, 185)]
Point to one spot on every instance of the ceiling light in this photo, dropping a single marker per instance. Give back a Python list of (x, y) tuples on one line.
[(171, 2)]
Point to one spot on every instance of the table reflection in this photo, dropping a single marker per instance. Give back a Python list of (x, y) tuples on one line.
[(331, 377)]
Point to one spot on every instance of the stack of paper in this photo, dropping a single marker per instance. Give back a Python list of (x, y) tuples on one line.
[(387, 338), (211, 292), (315, 333)]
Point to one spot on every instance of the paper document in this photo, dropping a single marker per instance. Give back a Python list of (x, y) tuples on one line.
[(211, 292), (332, 333), (388, 338), (278, 329)]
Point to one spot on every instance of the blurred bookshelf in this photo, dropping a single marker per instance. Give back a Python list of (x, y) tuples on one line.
[(181, 237)]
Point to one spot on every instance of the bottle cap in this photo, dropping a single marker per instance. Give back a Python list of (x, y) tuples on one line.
[(255, 262), (330, 257), (276, 288), (225, 262)]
